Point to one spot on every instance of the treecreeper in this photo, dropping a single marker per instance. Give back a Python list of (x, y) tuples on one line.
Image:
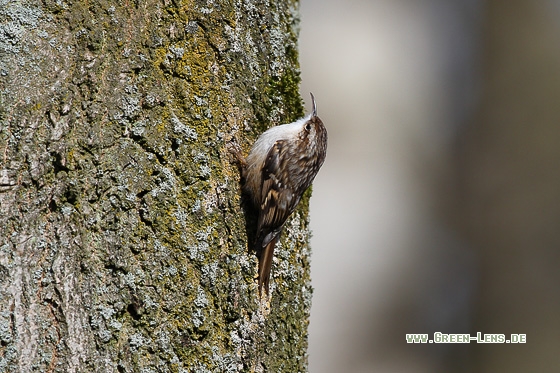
[(279, 168)]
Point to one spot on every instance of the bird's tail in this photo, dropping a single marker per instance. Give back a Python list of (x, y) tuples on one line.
[(265, 264)]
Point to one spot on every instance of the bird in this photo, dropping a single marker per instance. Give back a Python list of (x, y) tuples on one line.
[(281, 165)]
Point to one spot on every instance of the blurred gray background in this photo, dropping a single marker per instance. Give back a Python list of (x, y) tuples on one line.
[(438, 207)]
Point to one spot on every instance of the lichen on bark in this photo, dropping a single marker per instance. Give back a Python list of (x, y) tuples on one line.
[(123, 242)]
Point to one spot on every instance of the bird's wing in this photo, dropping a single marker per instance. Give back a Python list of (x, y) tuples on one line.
[(278, 200)]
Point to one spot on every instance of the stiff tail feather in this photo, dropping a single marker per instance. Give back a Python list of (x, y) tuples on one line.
[(265, 264)]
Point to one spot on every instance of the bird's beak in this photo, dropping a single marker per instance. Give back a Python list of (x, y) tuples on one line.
[(314, 111)]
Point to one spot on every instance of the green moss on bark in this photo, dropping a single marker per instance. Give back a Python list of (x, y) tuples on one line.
[(123, 240)]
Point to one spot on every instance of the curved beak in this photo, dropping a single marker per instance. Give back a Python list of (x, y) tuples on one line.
[(314, 110)]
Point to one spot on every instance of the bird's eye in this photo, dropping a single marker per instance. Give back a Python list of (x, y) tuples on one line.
[(308, 127)]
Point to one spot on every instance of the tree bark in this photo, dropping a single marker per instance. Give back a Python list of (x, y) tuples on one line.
[(123, 243)]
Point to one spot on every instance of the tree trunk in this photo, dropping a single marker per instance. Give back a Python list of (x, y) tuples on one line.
[(509, 188), (123, 244)]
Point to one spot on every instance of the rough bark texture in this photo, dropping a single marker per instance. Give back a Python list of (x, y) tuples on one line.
[(123, 245)]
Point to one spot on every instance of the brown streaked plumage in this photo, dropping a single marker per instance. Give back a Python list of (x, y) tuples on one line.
[(281, 165)]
